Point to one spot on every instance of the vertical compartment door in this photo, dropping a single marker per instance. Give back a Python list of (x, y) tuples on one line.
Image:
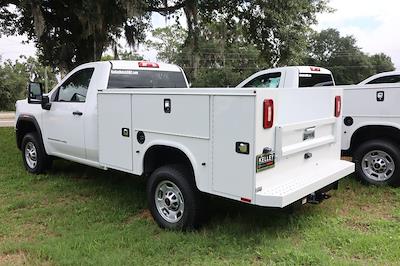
[(115, 131), (233, 122)]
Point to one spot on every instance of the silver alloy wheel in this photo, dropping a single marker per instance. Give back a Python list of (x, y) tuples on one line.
[(378, 165), (169, 201), (30, 155)]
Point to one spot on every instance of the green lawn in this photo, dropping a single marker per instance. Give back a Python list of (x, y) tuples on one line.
[(79, 215)]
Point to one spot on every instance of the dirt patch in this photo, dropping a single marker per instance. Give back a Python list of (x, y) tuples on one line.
[(141, 215), (359, 226), (19, 258)]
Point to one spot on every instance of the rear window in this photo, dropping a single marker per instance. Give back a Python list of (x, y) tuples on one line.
[(145, 79), (315, 80)]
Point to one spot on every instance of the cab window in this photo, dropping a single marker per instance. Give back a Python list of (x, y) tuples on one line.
[(315, 80), (270, 80), (387, 79), (75, 88)]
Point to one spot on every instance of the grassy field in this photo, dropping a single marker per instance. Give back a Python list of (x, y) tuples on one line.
[(79, 215)]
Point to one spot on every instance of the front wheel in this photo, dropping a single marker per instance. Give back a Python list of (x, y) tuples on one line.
[(173, 198), (35, 159), (378, 162)]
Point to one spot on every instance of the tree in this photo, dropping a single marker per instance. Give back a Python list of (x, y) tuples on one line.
[(122, 55), (344, 58), (226, 57), (276, 28), (381, 63), (14, 77), (70, 32)]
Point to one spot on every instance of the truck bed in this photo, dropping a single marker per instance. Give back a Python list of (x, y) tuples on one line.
[(208, 124)]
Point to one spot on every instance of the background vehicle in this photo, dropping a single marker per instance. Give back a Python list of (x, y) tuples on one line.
[(371, 131), (381, 78), (371, 117), (290, 77), (263, 147)]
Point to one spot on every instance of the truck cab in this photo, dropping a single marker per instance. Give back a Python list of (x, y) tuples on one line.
[(69, 127), (290, 77)]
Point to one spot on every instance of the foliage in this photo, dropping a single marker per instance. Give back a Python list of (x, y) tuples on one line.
[(71, 32), (68, 33), (122, 55), (342, 56), (278, 29), (76, 215), (14, 77), (226, 58)]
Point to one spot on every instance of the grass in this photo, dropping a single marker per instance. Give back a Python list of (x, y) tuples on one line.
[(79, 215)]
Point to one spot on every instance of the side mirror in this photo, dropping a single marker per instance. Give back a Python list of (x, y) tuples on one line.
[(35, 92), (35, 95)]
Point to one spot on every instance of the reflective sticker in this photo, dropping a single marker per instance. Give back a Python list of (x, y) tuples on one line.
[(124, 72)]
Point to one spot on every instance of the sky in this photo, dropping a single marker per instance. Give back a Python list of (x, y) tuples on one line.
[(373, 23)]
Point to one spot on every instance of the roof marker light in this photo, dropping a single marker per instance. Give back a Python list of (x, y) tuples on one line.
[(148, 64), (315, 69)]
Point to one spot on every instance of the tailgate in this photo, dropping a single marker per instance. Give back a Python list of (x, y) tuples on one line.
[(305, 142)]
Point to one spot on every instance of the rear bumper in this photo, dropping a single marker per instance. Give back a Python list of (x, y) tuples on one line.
[(302, 184)]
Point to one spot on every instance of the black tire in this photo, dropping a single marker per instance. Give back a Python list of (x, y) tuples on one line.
[(384, 147), (43, 161), (182, 178)]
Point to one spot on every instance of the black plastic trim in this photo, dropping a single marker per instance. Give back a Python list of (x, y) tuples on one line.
[(30, 119)]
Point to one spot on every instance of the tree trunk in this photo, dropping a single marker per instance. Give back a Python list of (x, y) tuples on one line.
[(191, 12)]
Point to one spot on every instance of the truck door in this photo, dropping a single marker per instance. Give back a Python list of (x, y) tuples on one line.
[(64, 122)]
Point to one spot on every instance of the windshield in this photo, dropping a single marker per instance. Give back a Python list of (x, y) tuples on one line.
[(123, 78), (315, 80)]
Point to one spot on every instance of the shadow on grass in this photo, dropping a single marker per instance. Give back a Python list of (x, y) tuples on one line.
[(126, 191)]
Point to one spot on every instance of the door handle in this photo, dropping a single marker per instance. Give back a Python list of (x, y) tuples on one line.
[(77, 113)]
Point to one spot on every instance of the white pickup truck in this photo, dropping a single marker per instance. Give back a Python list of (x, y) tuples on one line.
[(371, 117), (263, 147)]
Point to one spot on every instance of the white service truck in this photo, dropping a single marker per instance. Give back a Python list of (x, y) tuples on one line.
[(371, 117), (263, 147)]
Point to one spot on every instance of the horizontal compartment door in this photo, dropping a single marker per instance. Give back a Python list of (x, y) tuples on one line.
[(302, 137)]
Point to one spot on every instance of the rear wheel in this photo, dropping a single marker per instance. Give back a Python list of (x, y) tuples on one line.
[(33, 155), (173, 198), (378, 162)]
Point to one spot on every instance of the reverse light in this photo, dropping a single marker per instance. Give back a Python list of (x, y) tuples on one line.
[(338, 106), (148, 64), (268, 119)]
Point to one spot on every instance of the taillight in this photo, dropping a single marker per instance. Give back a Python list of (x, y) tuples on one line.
[(268, 113), (338, 106), (148, 64)]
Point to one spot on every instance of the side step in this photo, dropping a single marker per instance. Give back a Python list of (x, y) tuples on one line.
[(301, 186)]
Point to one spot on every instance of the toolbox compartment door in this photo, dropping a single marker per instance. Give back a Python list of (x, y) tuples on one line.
[(115, 130)]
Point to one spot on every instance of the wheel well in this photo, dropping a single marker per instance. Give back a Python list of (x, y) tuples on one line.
[(374, 132), (160, 155), (24, 127)]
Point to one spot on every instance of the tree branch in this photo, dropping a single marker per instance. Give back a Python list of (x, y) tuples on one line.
[(167, 9)]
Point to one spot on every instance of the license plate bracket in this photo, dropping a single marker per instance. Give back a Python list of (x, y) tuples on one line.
[(265, 161)]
